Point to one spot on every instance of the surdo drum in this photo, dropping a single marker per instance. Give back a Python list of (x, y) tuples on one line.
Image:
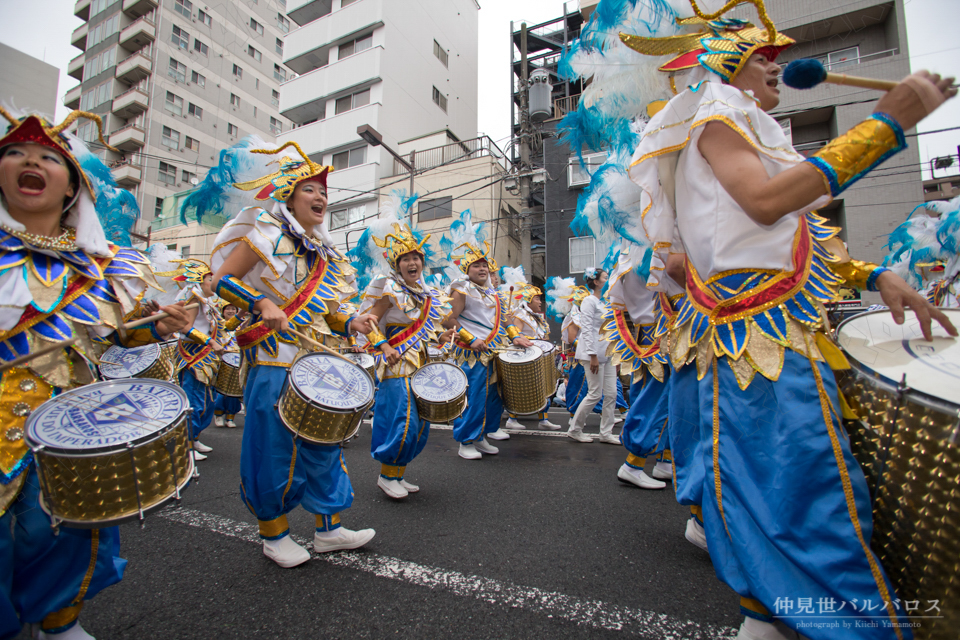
[(365, 360), (148, 361), (228, 376), (523, 384), (551, 363), (440, 390)]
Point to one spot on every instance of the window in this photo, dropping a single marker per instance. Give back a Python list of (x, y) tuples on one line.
[(167, 175), (174, 104), (196, 78), (193, 144), (177, 71), (343, 217), (279, 46), (185, 251), (170, 138), (276, 127), (275, 98), (103, 30), (435, 209), (87, 132), (97, 96), (157, 211), (279, 73), (183, 7), (253, 53), (582, 254), (98, 64), (346, 2), (204, 17), (188, 177), (440, 99), (578, 176), (180, 37), (843, 58), (234, 100), (350, 158), (97, 6), (283, 23), (256, 26), (254, 112), (346, 103), (195, 111), (355, 46), (237, 71), (440, 52), (199, 46), (232, 130)]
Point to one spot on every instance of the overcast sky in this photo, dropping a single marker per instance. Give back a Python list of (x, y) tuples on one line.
[(42, 29)]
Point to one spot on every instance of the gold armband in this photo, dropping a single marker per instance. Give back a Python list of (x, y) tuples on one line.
[(858, 274), (466, 337), (512, 331), (376, 338), (338, 322), (848, 158)]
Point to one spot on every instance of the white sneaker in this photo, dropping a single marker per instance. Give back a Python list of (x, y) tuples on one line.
[(230, 423), (285, 552), (411, 488), (609, 439), (76, 632), (513, 423), (753, 629), (197, 456), (345, 539), (392, 488), (218, 421), (579, 436), (637, 477), (695, 534), (546, 424), (663, 471), (202, 448), (499, 434), (618, 419), (469, 452), (483, 446)]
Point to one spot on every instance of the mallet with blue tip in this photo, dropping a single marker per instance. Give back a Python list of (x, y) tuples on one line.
[(808, 73)]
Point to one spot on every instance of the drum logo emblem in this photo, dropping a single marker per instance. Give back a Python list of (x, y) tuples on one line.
[(438, 386), (333, 384)]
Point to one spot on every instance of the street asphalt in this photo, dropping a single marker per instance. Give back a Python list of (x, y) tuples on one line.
[(540, 541)]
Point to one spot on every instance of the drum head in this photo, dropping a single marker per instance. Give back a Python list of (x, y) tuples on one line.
[(543, 345), (332, 382), (232, 359), (521, 356), (117, 362), (365, 360), (892, 351), (105, 416), (439, 382)]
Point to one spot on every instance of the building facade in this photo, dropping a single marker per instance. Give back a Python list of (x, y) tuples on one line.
[(176, 81), (29, 84)]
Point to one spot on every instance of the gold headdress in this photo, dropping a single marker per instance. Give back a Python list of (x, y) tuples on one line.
[(400, 242), (279, 185), (580, 294), (190, 271), (468, 253)]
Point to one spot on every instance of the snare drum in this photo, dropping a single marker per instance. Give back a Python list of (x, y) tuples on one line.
[(522, 381), (906, 394), (148, 361), (366, 361), (434, 354), (324, 398), (111, 452), (551, 365), (228, 376), (440, 390)]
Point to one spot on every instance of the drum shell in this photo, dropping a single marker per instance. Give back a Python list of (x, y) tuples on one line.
[(523, 386), (315, 423), (161, 369), (441, 412), (228, 380)]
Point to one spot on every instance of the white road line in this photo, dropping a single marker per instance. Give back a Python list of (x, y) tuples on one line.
[(532, 432), (591, 613)]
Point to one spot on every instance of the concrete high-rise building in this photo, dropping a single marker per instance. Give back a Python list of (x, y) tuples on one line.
[(176, 81), (28, 83), (407, 69)]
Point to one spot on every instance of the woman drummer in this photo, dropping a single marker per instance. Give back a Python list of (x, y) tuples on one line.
[(225, 408), (410, 314), (279, 262), (52, 240)]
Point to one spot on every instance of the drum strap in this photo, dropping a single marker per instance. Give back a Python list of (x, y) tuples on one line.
[(401, 337), (493, 332)]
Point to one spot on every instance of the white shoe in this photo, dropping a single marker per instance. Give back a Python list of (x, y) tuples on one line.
[(483, 446), (618, 420), (579, 436), (499, 434), (546, 424), (695, 534), (285, 552), (76, 632), (202, 448), (637, 477), (663, 471), (392, 488), (513, 423), (345, 539), (609, 439), (469, 452), (218, 421), (411, 488), (753, 629), (230, 423), (197, 456)]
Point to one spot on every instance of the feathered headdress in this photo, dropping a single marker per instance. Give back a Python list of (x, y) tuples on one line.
[(465, 243), (563, 294), (99, 211), (279, 185), (926, 241), (513, 282)]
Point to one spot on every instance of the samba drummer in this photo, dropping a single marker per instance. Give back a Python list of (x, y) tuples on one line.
[(278, 261), (410, 314), (481, 312), (225, 408), (52, 241), (526, 307)]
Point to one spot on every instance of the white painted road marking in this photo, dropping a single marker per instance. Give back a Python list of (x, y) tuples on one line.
[(592, 613), (515, 432)]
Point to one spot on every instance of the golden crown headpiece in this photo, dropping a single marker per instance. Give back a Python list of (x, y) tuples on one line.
[(190, 271), (723, 45), (279, 185), (400, 242), (468, 253), (579, 295)]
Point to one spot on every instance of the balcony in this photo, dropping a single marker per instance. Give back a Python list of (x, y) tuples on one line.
[(302, 98), (305, 49), (138, 34), (338, 131), (135, 68), (128, 138), (79, 37), (127, 174), (138, 8), (304, 11), (72, 99), (82, 9), (75, 68), (131, 103)]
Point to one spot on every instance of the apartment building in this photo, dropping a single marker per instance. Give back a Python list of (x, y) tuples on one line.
[(176, 81), (29, 84), (406, 69)]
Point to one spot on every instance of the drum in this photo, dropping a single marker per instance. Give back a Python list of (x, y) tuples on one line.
[(148, 361), (906, 394), (228, 376), (440, 390), (111, 452), (324, 398), (551, 363), (366, 361), (520, 373), (170, 347), (434, 354)]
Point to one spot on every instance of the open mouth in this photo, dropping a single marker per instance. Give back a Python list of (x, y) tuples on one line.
[(773, 82), (30, 182), (317, 209)]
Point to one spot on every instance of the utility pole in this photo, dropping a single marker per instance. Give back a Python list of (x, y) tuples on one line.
[(526, 179)]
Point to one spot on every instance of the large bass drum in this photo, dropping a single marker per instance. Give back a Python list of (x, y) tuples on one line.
[(905, 392), (324, 398), (148, 361), (552, 369), (440, 390), (111, 452), (523, 386), (228, 376)]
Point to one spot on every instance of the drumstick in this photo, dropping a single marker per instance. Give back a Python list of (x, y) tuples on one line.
[(321, 346), (155, 317)]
